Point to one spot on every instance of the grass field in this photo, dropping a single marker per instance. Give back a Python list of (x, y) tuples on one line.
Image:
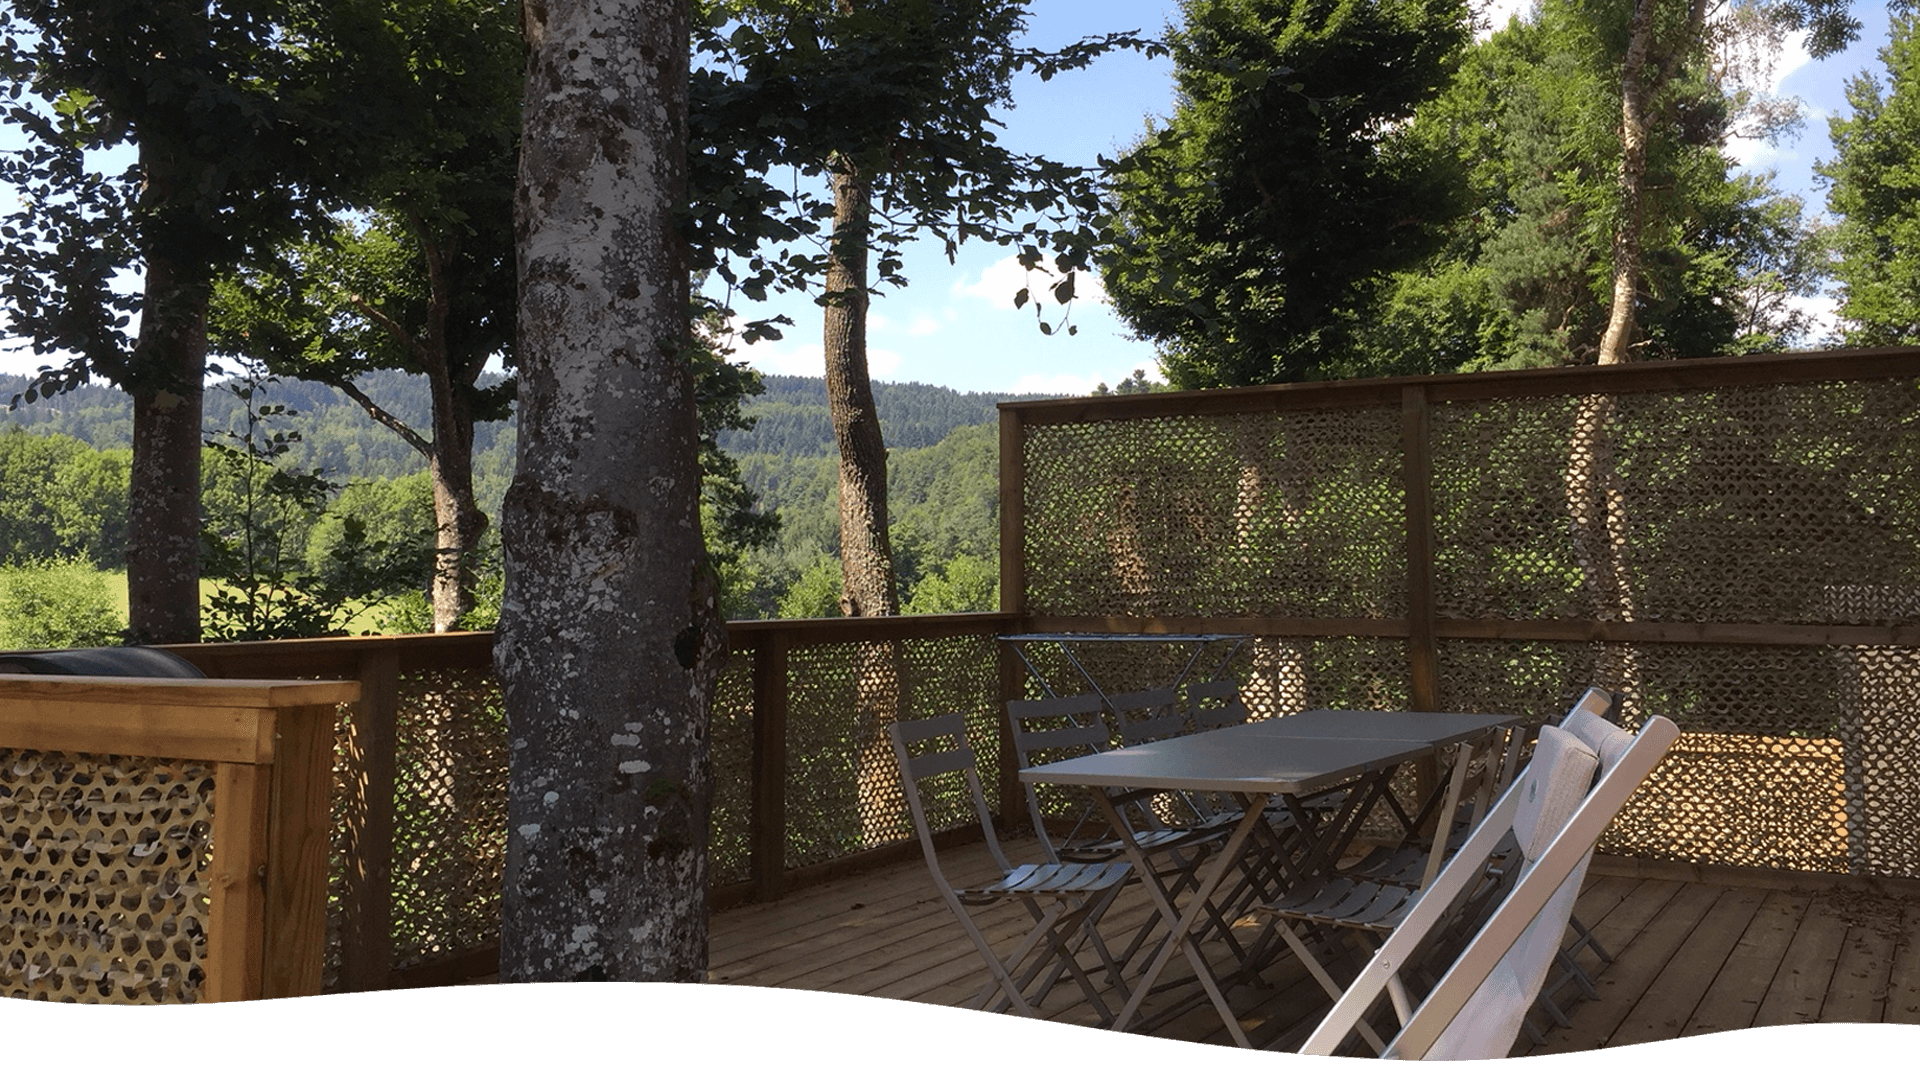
[(366, 622)]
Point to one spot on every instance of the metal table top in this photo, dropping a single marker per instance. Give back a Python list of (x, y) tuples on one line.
[(1292, 755)]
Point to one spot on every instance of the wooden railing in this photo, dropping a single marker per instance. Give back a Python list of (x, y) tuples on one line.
[(800, 794), (187, 816), (1386, 543)]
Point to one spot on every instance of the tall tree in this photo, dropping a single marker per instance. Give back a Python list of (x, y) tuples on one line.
[(1250, 226), (1875, 194), (889, 106), (1526, 276), (425, 282), (610, 640), (1660, 43), (225, 106)]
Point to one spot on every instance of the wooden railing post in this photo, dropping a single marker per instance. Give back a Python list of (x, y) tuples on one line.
[(237, 890), (1013, 596), (370, 749), (768, 847), (1416, 450), (1416, 456), (1013, 687), (295, 938)]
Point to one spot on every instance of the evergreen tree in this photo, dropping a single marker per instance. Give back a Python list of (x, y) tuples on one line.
[(1252, 226), (1526, 277), (1875, 194)]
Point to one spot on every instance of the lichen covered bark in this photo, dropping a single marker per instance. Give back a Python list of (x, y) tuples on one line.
[(610, 638)]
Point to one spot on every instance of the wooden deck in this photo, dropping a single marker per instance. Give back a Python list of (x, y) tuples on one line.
[(1689, 958)]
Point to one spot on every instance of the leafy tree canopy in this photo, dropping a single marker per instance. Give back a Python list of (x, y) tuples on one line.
[(1875, 192), (228, 103), (1250, 224), (904, 90)]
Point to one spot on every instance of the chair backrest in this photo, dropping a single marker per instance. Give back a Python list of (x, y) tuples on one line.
[(1215, 704), (1476, 1008), (1046, 730), (1144, 716), (933, 752)]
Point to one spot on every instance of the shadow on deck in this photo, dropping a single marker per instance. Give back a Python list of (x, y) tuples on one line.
[(1690, 958)]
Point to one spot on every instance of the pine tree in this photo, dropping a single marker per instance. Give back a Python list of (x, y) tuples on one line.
[(1875, 194)]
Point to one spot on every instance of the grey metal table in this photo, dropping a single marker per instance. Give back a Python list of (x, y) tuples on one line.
[(1288, 757)]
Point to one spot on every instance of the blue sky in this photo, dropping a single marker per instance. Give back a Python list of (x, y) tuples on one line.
[(956, 325)]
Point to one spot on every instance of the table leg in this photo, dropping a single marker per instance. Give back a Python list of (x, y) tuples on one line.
[(1180, 938)]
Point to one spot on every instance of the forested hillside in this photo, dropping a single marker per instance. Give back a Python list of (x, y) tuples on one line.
[(63, 464)]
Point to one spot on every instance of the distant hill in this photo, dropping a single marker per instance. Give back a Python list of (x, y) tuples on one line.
[(791, 420), (942, 467)]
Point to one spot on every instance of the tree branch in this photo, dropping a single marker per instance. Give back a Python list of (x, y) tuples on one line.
[(395, 424)]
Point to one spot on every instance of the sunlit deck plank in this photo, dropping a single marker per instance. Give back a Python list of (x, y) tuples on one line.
[(1669, 1001)]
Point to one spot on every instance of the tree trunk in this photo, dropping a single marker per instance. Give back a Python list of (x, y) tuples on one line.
[(163, 497), (1618, 339), (866, 554), (610, 638), (457, 518)]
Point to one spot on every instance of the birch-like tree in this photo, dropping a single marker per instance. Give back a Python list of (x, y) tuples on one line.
[(610, 638)]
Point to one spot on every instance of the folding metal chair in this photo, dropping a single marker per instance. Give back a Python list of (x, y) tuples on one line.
[(1215, 704), (1064, 899), (1147, 715), (1554, 815), (1046, 730), (1324, 911)]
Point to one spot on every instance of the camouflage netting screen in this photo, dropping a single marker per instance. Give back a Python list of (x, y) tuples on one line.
[(843, 784), (1267, 514), (103, 877), (450, 814), (1735, 513), (729, 859)]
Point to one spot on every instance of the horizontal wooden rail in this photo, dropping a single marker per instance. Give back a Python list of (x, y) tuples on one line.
[(1708, 373)]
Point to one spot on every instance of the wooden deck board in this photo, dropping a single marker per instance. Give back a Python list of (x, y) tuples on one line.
[(1671, 998), (1689, 958), (1748, 971)]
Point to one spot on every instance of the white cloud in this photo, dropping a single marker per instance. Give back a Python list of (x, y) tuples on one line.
[(924, 326), (998, 283), (780, 358), (1495, 13), (1824, 310)]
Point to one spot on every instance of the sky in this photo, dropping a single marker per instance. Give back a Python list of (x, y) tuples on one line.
[(956, 326)]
